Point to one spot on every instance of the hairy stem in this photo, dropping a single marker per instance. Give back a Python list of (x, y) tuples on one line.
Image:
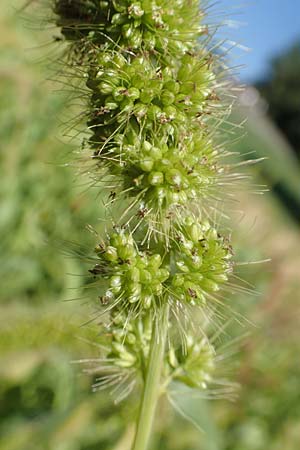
[(152, 383)]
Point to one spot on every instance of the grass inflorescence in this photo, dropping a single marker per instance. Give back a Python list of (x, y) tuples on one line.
[(153, 91)]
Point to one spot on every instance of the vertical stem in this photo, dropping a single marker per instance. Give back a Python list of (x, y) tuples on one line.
[(152, 383)]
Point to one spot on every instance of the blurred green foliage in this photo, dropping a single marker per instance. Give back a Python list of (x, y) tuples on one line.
[(46, 402), (40, 204)]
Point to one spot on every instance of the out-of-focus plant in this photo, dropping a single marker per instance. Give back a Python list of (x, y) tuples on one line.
[(281, 90), (33, 183)]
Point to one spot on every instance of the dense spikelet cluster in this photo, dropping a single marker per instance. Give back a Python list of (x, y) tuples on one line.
[(151, 87)]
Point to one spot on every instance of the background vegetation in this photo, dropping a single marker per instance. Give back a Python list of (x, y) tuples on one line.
[(46, 402)]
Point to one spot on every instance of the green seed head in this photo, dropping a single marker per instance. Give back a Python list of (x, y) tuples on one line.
[(153, 116)]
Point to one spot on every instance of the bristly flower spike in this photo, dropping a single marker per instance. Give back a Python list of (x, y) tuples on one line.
[(151, 87)]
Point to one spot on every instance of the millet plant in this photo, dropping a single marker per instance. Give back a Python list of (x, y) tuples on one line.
[(154, 95)]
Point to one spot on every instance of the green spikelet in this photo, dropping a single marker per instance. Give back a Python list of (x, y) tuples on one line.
[(153, 109)]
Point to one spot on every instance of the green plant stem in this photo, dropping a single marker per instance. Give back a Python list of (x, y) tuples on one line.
[(152, 383)]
